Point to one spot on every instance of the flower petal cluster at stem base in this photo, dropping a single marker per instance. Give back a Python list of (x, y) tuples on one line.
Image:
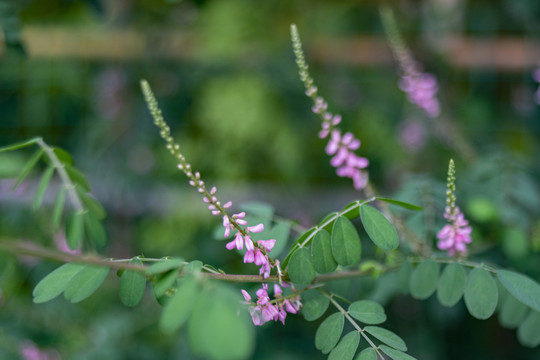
[(264, 309)]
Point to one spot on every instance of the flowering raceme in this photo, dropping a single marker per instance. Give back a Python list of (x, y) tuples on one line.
[(264, 309), (455, 235)]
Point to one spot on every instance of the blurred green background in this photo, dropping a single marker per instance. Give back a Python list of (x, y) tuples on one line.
[(224, 74)]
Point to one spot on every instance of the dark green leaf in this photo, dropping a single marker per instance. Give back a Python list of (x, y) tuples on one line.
[(368, 312), (327, 222), (132, 284), (28, 167), (346, 348), (512, 312), (63, 156), (55, 283), (164, 266), (522, 287), (19, 145), (321, 253), (165, 282), (180, 306), (481, 294), (528, 334), (96, 231), (92, 204), (424, 280), (451, 284), (58, 208), (295, 246), (346, 246), (387, 337), (329, 332), (379, 229), (77, 178), (367, 354), (314, 305), (85, 283), (42, 187), (300, 269), (400, 203), (75, 230), (395, 354), (351, 211)]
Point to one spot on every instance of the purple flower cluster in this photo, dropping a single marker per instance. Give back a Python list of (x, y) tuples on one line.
[(455, 235), (536, 77), (264, 309), (348, 164), (421, 89)]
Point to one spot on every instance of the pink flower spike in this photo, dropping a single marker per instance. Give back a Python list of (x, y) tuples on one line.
[(268, 245), (255, 229), (246, 295)]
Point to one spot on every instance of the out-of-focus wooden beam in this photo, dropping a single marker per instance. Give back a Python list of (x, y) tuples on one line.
[(501, 53)]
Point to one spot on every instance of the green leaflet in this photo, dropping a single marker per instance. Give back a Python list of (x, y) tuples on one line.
[(522, 287), (314, 305), (346, 246), (75, 230), (164, 283), (28, 167), (387, 337), (85, 283), (528, 334), (395, 354), (402, 204), (451, 284), (19, 145), (403, 277), (164, 266), (77, 177), (219, 327), (368, 312), (180, 306), (321, 253), (351, 211), (328, 221), (367, 354), (424, 278), (55, 283), (329, 332), (300, 269), (379, 229), (95, 230), (63, 156), (481, 294), (92, 204), (42, 187), (346, 348), (296, 246), (132, 284), (58, 208), (512, 312)]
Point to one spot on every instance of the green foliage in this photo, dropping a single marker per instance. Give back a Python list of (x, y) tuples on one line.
[(346, 246), (402, 204), (301, 270), (314, 304), (424, 279), (85, 282), (132, 284), (164, 266), (56, 282), (346, 348), (451, 284), (528, 334), (42, 187), (367, 354), (378, 228), (367, 312), (481, 294), (387, 337), (329, 332), (75, 230), (512, 311), (522, 287), (181, 305), (395, 354), (28, 167), (321, 253)]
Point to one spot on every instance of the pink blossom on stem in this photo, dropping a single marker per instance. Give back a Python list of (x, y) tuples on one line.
[(266, 309), (348, 164)]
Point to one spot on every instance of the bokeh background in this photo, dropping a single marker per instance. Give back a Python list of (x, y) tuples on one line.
[(224, 74)]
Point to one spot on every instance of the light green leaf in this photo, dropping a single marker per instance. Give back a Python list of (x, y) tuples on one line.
[(402, 204), (379, 229), (75, 230), (512, 312), (451, 284), (85, 283), (164, 283), (55, 283), (424, 280), (314, 305), (346, 348), (220, 328), (132, 284), (19, 145), (164, 266), (180, 306), (403, 277), (368, 312), (300, 268), (58, 208), (329, 332), (321, 253), (95, 230), (42, 187), (77, 178), (387, 337), (522, 287), (528, 334), (481, 294), (346, 246), (28, 167), (395, 354), (367, 354)]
